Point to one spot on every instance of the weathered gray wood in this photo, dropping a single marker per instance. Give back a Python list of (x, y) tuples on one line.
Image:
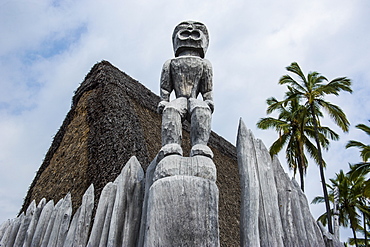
[(3, 228), (108, 217), (5, 237), (284, 217), (101, 215), (72, 229), (313, 234), (117, 220), (269, 204), (330, 239), (33, 224), (21, 235), (198, 166), (84, 219), (284, 188), (57, 221), (135, 192), (64, 226), (249, 181), (42, 224), (300, 228), (149, 177), (298, 218), (50, 224), (125, 222), (14, 230), (182, 211), (61, 222)]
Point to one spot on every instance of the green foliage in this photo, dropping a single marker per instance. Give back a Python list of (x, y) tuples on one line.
[(299, 120), (312, 91), (364, 149), (295, 133), (353, 203)]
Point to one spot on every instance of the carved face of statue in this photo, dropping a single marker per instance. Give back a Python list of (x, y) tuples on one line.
[(190, 36)]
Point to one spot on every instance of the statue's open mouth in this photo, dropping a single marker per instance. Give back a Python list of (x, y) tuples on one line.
[(193, 48), (186, 34), (189, 40)]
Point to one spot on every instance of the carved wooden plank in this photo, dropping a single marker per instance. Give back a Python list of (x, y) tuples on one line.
[(42, 224), (116, 224), (148, 183), (3, 228), (5, 237), (298, 218), (101, 215), (21, 235), (62, 217), (249, 180), (10, 238), (269, 205), (314, 236), (108, 217), (134, 193), (284, 188), (50, 224), (84, 219), (33, 224), (64, 225), (300, 228), (72, 229), (125, 223)]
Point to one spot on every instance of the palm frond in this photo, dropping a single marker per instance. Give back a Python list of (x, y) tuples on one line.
[(336, 113), (271, 123), (317, 200), (277, 145), (341, 84), (294, 68), (353, 143), (364, 128)]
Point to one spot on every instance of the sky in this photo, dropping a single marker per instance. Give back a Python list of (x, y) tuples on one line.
[(48, 47)]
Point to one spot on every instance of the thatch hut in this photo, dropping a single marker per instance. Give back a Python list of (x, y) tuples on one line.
[(112, 118)]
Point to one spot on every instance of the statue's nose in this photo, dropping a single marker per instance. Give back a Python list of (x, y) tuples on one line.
[(190, 27)]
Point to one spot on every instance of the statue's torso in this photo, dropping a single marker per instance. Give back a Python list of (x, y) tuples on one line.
[(186, 75)]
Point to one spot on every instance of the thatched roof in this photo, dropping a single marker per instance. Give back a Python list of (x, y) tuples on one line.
[(112, 118)]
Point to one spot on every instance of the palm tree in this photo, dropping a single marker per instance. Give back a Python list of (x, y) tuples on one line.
[(350, 201), (312, 90), (362, 168), (364, 149), (295, 132)]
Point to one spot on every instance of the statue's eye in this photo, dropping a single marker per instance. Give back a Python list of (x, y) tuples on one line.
[(185, 34), (195, 34)]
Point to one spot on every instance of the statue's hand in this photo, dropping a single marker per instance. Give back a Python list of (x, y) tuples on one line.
[(161, 106), (210, 104)]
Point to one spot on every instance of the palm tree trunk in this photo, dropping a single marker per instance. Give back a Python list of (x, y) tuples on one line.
[(321, 168), (365, 232), (300, 170), (354, 235), (301, 176), (302, 164)]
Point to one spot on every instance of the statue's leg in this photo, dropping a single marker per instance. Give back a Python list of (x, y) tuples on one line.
[(172, 117), (201, 117)]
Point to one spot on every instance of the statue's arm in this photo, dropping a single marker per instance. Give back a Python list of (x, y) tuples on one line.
[(206, 88), (165, 86)]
